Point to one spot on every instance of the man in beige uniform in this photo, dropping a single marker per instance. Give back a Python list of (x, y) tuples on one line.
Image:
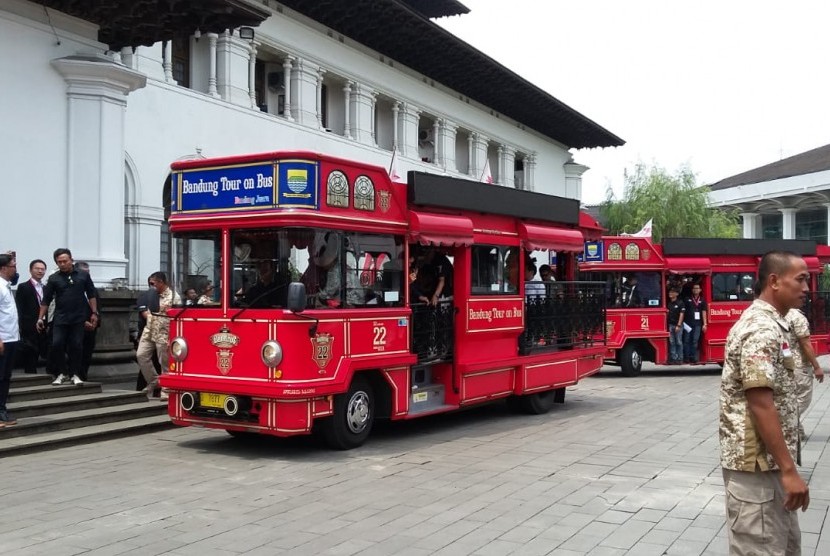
[(806, 364), (759, 417)]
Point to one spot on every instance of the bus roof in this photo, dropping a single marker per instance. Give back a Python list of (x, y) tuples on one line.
[(454, 193), (681, 246)]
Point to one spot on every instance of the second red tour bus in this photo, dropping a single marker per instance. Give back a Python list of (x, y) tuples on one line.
[(725, 270), (340, 297)]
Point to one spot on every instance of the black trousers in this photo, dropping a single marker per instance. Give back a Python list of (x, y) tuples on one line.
[(6, 363), (66, 339), (29, 350)]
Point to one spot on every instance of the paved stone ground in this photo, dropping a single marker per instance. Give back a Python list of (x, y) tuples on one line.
[(626, 466)]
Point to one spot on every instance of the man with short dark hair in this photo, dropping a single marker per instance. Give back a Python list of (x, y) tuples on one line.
[(155, 335), (9, 334), (695, 322), (759, 416), (676, 310), (75, 295), (29, 294)]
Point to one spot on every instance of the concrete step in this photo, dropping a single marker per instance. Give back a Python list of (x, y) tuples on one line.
[(84, 400), (83, 435), (81, 418), (45, 392), (23, 379)]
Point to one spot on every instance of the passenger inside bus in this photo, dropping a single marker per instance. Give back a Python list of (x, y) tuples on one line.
[(270, 289), (631, 294), (534, 289), (327, 253)]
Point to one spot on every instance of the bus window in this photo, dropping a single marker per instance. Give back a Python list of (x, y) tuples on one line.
[(629, 289), (495, 270), (374, 268), (732, 286), (197, 266)]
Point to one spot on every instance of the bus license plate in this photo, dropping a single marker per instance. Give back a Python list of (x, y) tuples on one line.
[(215, 401)]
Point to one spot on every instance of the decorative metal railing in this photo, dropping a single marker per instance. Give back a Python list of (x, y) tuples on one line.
[(568, 315), (432, 330)]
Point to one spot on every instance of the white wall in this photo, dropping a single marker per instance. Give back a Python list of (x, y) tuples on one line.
[(165, 122)]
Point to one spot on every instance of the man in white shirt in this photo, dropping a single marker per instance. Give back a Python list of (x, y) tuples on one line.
[(9, 333)]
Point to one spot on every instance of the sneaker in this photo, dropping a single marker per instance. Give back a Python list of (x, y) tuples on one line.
[(76, 380), (61, 378), (7, 419)]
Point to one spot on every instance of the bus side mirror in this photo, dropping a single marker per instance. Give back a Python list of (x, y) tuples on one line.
[(296, 297)]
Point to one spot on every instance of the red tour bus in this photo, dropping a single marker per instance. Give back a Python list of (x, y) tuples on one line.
[(724, 268), (323, 312)]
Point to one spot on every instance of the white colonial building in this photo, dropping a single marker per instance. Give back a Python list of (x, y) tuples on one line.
[(96, 102), (787, 199)]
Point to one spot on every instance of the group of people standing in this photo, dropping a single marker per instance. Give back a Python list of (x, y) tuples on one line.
[(58, 319), (687, 322)]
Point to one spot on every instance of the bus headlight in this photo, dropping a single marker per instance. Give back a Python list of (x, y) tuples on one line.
[(271, 353), (178, 349)]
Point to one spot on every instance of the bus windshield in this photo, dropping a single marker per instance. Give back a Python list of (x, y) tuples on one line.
[(338, 269)]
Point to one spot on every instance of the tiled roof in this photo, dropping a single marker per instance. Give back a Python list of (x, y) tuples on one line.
[(808, 162)]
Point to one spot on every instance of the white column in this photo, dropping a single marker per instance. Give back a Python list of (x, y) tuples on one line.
[(396, 108), (480, 154), (408, 137), (320, 74), (573, 182), (304, 93), (96, 93), (363, 126), (447, 140), (286, 72), (374, 117), (437, 153), (530, 172), (212, 91), (127, 57), (788, 222), (827, 206), (471, 166), (506, 165), (751, 224), (144, 231), (252, 75), (347, 96), (167, 63)]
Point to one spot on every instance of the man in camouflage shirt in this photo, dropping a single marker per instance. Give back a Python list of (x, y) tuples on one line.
[(155, 335), (759, 417)]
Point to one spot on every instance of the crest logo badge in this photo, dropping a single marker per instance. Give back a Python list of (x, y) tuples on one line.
[(224, 361), (321, 349), (383, 200), (224, 340)]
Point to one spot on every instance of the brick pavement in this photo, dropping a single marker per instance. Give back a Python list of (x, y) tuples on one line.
[(626, 466)]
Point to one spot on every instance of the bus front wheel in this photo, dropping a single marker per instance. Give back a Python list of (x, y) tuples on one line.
[(631, 360), (354, 413)]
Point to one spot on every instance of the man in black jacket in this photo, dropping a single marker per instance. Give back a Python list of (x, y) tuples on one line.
[(29, 294), (74, 294)]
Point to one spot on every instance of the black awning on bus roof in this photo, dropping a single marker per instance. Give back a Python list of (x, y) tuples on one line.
[(440, 229), (555, 239), (688, 265)]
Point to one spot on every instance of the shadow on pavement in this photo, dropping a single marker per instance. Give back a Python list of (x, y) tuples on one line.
[(397, 437)]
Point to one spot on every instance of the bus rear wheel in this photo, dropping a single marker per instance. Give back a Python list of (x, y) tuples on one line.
[(631, 360), (536, 404), (354, 413)]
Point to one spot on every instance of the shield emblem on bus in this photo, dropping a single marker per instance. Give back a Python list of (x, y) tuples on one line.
[(383, 200), (224, 361), (321, 349), (224, 340)]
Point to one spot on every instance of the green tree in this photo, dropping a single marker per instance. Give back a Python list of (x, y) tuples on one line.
[(677, 205)]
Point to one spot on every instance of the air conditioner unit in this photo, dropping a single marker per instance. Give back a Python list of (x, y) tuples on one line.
[(276, 81), (426, 136)]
